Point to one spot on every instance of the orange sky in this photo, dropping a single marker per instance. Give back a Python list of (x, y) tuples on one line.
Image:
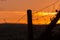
[(23, 5), (12, 10), (21, 17)]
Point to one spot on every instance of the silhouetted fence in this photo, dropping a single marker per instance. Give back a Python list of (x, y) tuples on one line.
[(30, 28), (45, 35)]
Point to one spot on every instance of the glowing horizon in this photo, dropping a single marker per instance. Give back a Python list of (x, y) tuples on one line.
[(13, 16)]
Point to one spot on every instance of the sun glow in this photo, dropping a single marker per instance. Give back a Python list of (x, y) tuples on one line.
[(18, 17), (45, 13)]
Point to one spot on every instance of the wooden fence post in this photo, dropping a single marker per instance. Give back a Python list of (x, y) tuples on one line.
[(29, 19)]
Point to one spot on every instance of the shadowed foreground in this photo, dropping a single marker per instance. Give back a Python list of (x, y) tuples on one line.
[(19, 31)]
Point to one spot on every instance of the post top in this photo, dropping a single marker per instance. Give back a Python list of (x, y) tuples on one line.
[(29, 10)]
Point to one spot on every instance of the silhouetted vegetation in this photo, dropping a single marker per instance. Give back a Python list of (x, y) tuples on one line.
[(47, 34), (26, 31)]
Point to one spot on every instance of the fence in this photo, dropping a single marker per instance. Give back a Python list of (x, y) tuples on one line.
[(47, 34)]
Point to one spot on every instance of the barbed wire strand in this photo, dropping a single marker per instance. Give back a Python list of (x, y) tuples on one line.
[(37, 11)]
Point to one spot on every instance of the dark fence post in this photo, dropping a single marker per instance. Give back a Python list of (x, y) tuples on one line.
[(47, 34), (30, 30)]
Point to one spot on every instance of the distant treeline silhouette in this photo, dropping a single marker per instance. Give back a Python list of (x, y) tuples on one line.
[(15, 31)]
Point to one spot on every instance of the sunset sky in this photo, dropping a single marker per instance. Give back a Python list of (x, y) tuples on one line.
[(23, 5), (11, 11)]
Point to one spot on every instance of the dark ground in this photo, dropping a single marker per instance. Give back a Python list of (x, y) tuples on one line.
[(19, 31)]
